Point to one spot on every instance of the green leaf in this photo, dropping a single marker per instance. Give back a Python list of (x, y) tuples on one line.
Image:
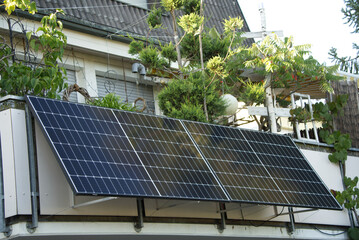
[(28, 35), (353, 233)]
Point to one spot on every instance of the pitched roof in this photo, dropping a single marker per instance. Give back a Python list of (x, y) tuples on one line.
[(121, 18)]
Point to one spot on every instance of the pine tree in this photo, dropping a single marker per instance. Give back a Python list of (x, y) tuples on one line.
[(351, 14)]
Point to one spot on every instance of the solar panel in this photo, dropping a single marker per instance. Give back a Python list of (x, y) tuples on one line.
[(260, 167), (108, 152), (92, 149), (112, 152), (170, 157), (296, 178)]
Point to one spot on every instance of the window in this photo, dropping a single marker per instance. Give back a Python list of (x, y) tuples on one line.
[(128, 92)]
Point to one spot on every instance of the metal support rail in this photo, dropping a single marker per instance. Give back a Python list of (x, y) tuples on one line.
[(292, 221), (222, 210), (94, 202), (140, 211), (31, 226)]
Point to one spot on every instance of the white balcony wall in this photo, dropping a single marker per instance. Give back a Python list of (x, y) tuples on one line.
[(15, 163)]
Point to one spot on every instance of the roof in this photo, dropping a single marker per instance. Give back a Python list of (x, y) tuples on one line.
[(122, 18)]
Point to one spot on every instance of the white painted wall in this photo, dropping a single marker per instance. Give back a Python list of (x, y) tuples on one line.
[(15, 162)]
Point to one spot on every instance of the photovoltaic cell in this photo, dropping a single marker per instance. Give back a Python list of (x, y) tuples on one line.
[(119, 153), (260, 167)]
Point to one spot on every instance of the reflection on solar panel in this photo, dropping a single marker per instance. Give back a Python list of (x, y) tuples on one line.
[(112, 152)]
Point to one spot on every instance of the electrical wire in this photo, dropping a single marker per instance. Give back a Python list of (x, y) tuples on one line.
[(330, 234), (259, 225)]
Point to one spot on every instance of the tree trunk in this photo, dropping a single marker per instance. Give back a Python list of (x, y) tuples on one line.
[(202, 64), (176, 39), (269, 102)]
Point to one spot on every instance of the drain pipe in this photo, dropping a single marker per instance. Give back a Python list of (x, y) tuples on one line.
[(31, 226), (3, 227)]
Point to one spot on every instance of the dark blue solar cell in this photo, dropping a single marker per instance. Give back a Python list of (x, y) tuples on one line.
[(43, 106), (79, 188), (61, 108), (53, 135), (68, 165), (44, 119), (51, 119), (82, 111)]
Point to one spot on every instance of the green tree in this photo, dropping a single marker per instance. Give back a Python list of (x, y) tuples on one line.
[(282, 64), (45, 78), (198, 50), (184, 99), (348, 63)]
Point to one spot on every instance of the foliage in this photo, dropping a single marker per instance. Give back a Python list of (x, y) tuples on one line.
[(136, 47), (191, 6), (300, 115), (112, 101), (10, 5), (288, 64), (325, 114), (52, 39), (353, 233), (184, 99), (232, 24), (170, 5), (213, 45), (346, 63), (191, 23), (350, 199), (215, 50), (44, 79), (351, 14), (252, 93), (216, 66), (168, 51), (350, 196), (151, 57), (154, 19)]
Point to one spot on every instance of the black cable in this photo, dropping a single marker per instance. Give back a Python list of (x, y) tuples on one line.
[(259, 225), (330, 234)]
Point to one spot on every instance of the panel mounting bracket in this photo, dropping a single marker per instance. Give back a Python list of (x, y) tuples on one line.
[(140, 210), (291, 225), (222, 224)]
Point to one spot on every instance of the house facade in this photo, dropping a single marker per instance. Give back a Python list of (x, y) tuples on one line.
[(38, 201)]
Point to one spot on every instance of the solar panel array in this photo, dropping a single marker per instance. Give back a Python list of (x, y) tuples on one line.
[(112, 152)]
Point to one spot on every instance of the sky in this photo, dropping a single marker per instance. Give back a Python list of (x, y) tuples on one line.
[(316, 22)]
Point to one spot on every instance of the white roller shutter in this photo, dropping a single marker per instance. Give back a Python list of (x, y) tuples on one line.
[(128, 91)]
